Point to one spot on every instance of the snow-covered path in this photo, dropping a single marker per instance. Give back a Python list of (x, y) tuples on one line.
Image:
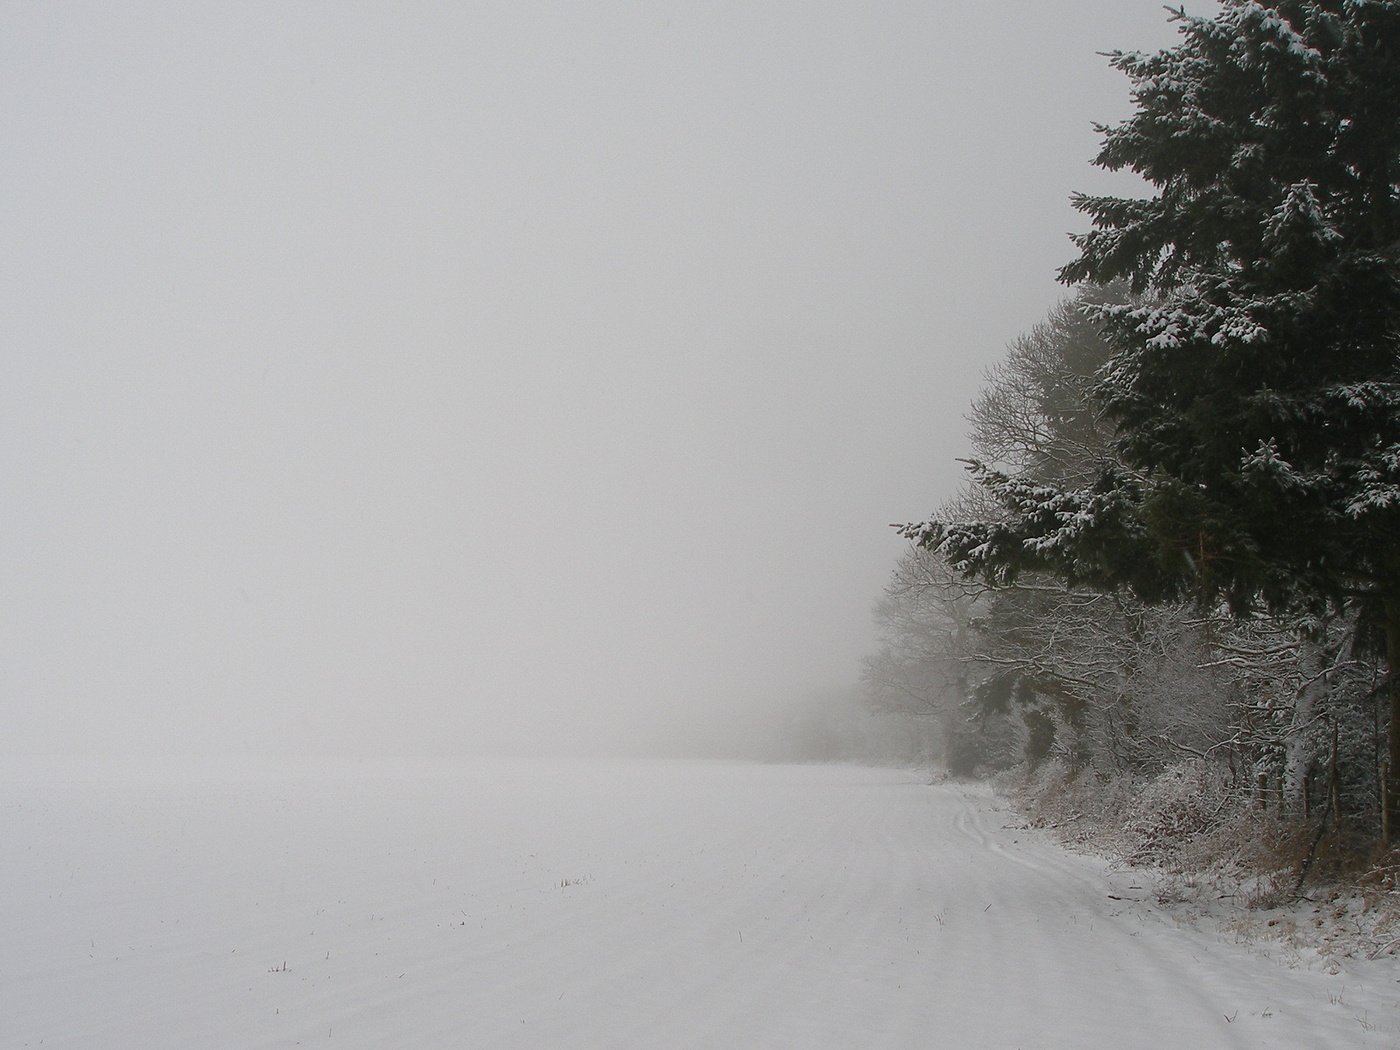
[(586, 905)]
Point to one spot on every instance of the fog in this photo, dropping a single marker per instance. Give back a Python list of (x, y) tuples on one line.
[(494, 377)]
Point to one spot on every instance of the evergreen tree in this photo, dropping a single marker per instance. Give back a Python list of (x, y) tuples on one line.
[(1256, 386)]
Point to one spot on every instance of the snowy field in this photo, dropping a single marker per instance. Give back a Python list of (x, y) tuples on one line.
[(620, 905)]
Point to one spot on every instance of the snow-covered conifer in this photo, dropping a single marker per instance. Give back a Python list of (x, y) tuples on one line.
[(1256, 385)]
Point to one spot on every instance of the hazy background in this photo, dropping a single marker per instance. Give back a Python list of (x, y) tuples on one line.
[(487, 376)]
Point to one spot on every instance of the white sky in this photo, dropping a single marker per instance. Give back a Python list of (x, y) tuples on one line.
[(466, 376)]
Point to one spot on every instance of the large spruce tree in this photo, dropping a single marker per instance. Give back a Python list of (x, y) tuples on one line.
[(1256, 384)]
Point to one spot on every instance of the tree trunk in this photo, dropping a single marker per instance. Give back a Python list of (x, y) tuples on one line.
[(1298, 756), (1390, 816)]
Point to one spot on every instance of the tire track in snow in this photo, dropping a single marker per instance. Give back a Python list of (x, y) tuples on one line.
[(1043, 903)]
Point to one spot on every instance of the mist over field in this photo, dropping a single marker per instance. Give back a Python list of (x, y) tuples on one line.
[(500, 378)]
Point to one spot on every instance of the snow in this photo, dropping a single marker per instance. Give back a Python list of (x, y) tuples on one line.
[(626, 904)]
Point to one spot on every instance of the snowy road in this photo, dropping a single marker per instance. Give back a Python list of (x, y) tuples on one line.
[(644, 905)]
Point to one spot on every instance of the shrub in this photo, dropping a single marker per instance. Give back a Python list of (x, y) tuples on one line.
[(1179, 804)]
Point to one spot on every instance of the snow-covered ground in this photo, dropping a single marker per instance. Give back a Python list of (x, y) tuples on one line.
[(586, 905)]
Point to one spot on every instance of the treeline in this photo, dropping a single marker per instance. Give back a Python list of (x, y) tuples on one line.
[(1289, 707), (1180, 545)]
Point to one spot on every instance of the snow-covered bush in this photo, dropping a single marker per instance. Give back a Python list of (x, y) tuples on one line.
[(1174, 807)]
